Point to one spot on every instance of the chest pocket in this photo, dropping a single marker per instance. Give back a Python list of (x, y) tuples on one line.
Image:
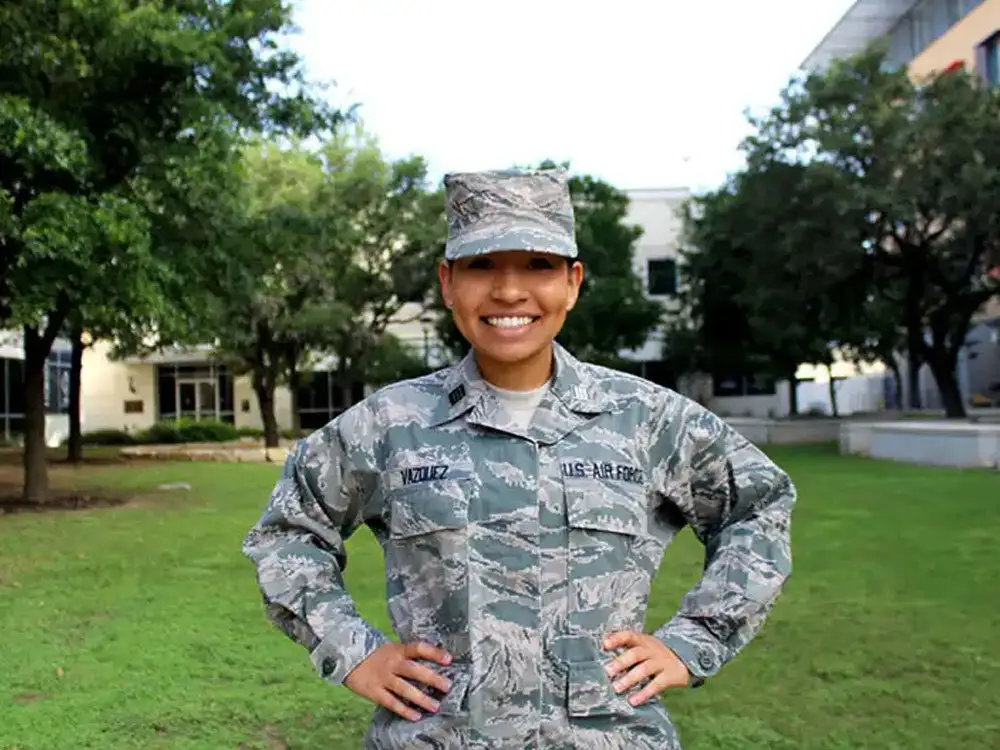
[(610, 560), (427, 552), (607, 520)]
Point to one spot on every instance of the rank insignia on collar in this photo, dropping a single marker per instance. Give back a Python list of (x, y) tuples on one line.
[(456, 395)]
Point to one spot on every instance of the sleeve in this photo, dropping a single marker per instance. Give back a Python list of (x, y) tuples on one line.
[(738, 503), (298, 549)]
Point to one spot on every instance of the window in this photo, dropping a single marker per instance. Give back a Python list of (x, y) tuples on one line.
[(11, 398), (661, 276), (321, 399), (57, 372), (742, 385), (988, 61), (203, 393)]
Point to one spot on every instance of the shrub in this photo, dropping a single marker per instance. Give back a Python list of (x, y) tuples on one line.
[(108, 436), (187, 431)]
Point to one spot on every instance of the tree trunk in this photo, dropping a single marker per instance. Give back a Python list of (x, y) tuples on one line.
[(833, 393), (294, 383), (264, 388), (943, 366), (36, 470), (793, 395), (913, 365), (75, 448)]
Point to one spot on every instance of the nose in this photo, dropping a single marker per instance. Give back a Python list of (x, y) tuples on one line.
[(508, 286)]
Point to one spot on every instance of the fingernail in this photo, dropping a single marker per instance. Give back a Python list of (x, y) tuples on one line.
[(447, 658), (618, 687), (609, 670), (435, 705), (447, 687)]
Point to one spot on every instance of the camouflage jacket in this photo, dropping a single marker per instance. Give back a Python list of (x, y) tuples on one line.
[(517, 551)]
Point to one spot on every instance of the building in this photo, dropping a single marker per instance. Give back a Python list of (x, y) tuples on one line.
[(927, 37), (659, 212), (12, 394), (924, 35)]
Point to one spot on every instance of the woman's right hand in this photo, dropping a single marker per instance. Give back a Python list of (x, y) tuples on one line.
[(386, 677)]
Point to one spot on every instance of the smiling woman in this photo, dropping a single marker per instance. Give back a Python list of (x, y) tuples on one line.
[(523, 501), (509, 306)]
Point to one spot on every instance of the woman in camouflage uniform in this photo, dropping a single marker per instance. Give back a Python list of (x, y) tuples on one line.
[(523, 501)]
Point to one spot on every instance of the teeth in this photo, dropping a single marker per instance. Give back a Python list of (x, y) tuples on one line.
[(506, 322)]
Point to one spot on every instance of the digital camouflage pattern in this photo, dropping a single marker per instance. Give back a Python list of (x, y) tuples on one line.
[(514, 209), (517, 551)]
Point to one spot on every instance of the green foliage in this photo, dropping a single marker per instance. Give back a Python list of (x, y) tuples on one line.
[(108, 436), (613, 313), (777, 238), (111, 115), (170, 432), (864, 218)]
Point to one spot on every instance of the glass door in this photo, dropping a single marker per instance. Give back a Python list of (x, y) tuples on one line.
[(187, 400), (197, 399), (207, 407)]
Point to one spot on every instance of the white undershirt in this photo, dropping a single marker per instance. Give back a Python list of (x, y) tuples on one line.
[(520, 405)]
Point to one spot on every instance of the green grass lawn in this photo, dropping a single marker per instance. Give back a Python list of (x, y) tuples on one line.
[(141, 627)]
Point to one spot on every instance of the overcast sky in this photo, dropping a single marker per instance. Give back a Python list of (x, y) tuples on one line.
[(642, 93)]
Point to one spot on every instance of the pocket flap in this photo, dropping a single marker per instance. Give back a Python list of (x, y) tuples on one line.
[(456, 701), (589, 692), (424, 511), (601, 508)]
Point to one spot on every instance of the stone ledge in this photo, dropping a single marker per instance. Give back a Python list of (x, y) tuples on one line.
[(786, 431), (222, 452), (956, 444)]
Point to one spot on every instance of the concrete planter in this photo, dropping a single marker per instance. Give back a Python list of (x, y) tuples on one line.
[(786, 431), (937, 443)]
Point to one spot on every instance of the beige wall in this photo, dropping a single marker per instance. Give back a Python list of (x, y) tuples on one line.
[(243, 391), (106, 386), (959, 42)]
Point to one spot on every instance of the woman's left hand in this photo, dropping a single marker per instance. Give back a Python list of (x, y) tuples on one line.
[(646, 659)]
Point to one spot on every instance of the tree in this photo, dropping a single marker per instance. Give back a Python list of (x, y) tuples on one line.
[(272, 308), (773, 274), (97, 95), (391, 230), (613, 313), (331, 244), (924, 158)]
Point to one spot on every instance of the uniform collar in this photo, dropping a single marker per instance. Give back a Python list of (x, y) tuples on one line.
[(572, 391)]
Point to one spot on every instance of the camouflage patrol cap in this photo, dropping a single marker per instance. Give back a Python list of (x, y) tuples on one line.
[(512, 209)]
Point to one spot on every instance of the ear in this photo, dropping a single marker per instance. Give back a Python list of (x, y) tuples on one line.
[(575, 279), (444, 280)]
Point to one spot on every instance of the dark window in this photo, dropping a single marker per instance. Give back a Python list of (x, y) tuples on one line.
[(989, 59), (3, 386), (760, 385), (661, 276), (15, 386), (166, 396), (321, 398), (743, 385), (727, 385), (57, 370)]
